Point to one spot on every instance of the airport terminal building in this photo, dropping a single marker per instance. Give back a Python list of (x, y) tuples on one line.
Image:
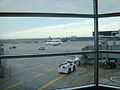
[(108, 33)]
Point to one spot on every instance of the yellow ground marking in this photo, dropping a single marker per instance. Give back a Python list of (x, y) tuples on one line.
[(47, 70), (46, 85), (38, 75), (50, 69), (13, 85)]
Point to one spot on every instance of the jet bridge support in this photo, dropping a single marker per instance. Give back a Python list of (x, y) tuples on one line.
[(2, 62)]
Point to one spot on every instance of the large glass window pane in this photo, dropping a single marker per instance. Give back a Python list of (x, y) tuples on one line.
[(109, 6), (49, 6), (43, 74), (109, 63), (33, 35)]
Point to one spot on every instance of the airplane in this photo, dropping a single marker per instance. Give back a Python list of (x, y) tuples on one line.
[(54, 42)]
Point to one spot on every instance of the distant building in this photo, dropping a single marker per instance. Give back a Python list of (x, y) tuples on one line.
[(108, 33)]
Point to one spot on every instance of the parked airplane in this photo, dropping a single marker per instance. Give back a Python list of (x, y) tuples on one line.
[(53, 42)]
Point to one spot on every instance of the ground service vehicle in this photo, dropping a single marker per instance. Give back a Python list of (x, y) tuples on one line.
[(67, 67), (76, 59)]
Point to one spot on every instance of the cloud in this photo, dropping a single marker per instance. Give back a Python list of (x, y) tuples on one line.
[(46, 28), (61, 30), (82, 28), (107, 24)]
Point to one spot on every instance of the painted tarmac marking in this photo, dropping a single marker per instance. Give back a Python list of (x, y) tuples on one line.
[(47, 71), (19, 65), (26, 69), (54, 80), (38, 75), (13, 85)]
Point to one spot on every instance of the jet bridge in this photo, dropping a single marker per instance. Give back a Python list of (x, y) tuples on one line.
[(106, 56)]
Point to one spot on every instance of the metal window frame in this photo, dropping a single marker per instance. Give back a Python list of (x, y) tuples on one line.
[(96, 42), (45, 54), (37, 14), (95, 16), (57, 54)]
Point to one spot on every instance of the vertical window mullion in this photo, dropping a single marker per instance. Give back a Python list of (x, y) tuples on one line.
[(95, 7)]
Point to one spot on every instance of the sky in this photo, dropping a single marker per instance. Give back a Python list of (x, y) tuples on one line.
[(43, 27), (40, 27)]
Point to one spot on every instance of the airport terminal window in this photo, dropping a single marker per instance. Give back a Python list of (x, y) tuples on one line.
[(39, 35), (47, 6), (45, 35), (42, 74), (109, 70), (29, 62), (108, 6)]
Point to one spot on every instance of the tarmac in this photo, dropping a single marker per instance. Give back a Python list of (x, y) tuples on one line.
[(40, 73)]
